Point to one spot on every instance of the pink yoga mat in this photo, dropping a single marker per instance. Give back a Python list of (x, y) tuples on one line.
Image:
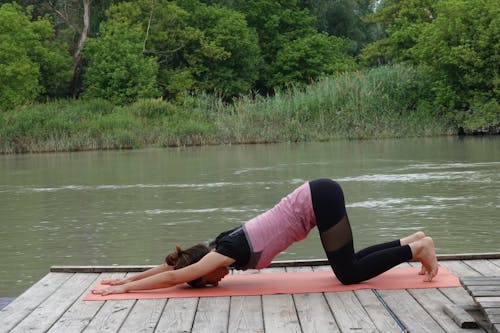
[(290, 283)]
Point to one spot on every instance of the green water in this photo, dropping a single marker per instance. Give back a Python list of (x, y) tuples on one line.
[(132, 207)]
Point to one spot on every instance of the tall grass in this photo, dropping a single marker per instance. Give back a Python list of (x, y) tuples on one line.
[(384, 102)]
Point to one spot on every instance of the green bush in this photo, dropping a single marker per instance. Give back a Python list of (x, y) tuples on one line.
[(115, 66), (31, 62), (484, 117)]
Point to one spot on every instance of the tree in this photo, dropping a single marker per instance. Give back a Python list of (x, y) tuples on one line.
[(303, 60), (73, 21), (198, 47), (77, 56), (290, 43), (226, 57), (344, 18), (404, 21), (115, 66), (31, 63), (460, 49)]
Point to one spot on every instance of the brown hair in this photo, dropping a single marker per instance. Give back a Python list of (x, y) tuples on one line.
[(182, 258)]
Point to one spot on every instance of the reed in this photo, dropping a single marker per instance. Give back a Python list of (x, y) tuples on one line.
[(385, 102)]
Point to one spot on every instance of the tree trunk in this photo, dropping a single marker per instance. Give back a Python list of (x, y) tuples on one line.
[(77, 57)]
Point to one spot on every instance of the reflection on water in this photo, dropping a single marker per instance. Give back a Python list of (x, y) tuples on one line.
[(133, 207)]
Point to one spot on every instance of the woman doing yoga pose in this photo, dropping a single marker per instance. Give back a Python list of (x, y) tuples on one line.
[(318, 203)]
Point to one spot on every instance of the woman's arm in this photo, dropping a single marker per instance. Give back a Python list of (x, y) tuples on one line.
[(152, 271), (170, 278)]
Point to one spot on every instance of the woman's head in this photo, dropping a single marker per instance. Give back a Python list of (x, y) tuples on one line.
[(182, 258)]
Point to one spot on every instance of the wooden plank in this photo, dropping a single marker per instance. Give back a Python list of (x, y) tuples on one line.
[(79, 315), (349, 313), (25, 303), (245, 314), (110, 316), (279, 311), (469, 256), (459, 268), (485, 302), (485, 288), (433, 301), (488, 281), (212, 315), (492, 311), (476, 283), (178, 315), (410, 312), (144, 316), (280, 314), (377, 312), (495, 261), (301, 312), (54, 306), (485, 267), (458, 295), (484, 291), (100, 269), (314, 313), (312, 309), (460, 316), (324, 268)]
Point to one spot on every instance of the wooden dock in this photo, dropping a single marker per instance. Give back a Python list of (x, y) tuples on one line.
[(486, 293), (54, 304)]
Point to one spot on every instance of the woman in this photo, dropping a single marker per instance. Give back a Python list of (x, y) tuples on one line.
[(318, 203)]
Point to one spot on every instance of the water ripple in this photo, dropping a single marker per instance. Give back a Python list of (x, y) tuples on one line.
[(415, 177), (199, 211), (27, 189), (433, 166), (425, 202)]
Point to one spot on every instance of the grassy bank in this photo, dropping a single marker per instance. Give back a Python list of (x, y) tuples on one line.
[(380, 103)]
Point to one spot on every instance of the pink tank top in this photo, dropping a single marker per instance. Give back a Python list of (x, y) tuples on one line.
[(273, 231)]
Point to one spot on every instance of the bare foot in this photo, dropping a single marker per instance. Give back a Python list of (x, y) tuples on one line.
[(412, 238), (422, 270), (423, 251)]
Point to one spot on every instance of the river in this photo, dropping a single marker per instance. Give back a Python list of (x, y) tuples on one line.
[(133, 207)]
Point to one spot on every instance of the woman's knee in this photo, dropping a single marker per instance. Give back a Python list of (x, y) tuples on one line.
[(347, 278)]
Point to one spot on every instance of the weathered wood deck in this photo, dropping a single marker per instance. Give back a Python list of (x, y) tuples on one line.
[(54, 304), (486, 293)]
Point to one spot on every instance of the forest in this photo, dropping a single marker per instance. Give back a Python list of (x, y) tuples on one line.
[(86, 74)]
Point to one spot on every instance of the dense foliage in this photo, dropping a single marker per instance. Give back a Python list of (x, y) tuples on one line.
[(32, 63), (130, 52), (378, 103), (457, 42)]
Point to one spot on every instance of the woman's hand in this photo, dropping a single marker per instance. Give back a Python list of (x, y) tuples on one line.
[(114, 281), (110, 290)]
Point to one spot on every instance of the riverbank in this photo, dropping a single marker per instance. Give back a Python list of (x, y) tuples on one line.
[(386, 102)]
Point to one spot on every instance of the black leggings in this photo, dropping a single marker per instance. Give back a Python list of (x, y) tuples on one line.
[(336, 237)]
